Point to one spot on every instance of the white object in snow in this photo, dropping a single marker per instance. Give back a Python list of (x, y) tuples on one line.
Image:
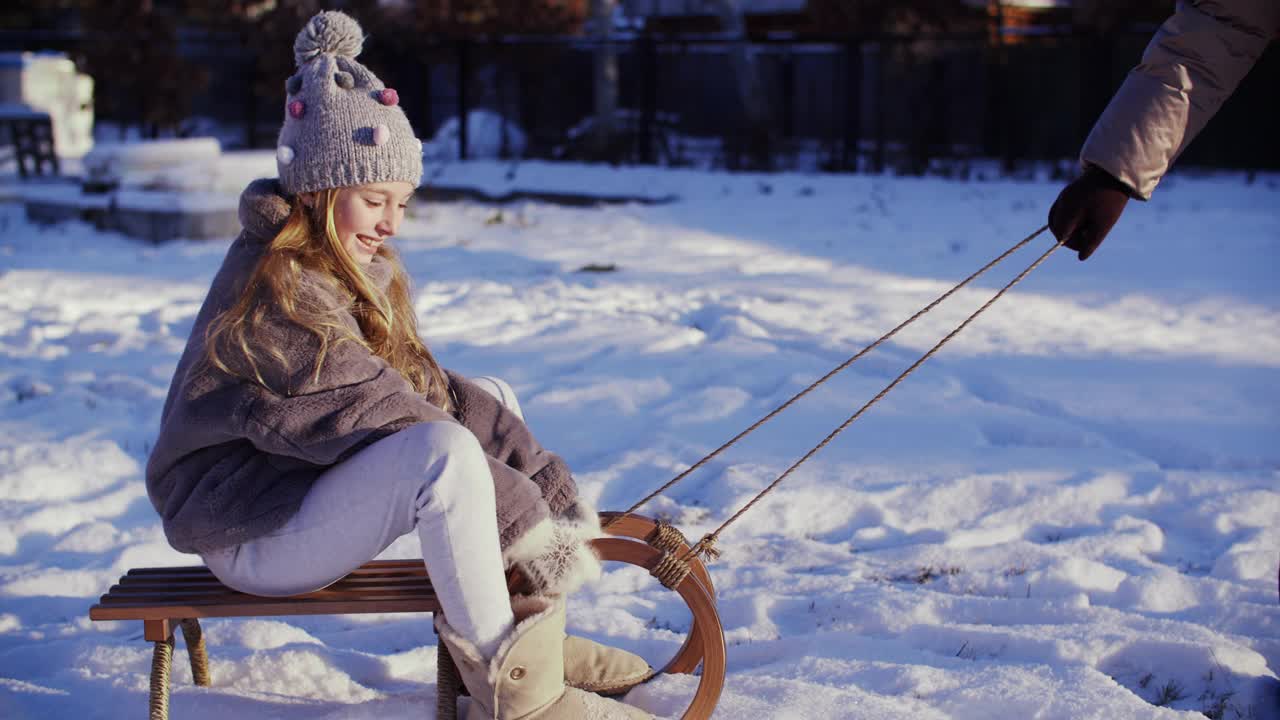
[(182, 164), (48, 82), (485, 130)]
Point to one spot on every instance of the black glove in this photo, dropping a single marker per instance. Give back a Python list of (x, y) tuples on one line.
[(1086, 210)]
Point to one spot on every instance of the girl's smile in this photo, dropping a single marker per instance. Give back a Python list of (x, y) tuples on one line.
[(365, 216)]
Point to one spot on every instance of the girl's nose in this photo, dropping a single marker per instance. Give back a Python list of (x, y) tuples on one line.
[(387, 226)]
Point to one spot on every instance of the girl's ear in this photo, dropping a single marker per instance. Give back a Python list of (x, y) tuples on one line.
[(308, 200)]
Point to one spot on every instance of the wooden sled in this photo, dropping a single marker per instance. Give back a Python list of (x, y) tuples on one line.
[(168, 597)]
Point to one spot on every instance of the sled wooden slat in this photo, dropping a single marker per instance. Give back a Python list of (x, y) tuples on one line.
[(166, 598), (371, 567), (209, 597), (353, 587), (126, 611), (354, 581)]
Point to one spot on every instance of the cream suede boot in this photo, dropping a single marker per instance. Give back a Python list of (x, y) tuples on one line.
[(555, 557), (525, 678), (602, 669)]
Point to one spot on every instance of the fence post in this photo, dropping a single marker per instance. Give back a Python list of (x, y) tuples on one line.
[(995, 140), (463, 110), (527, 114), (500, 69), (425, 110), (1095, 71), (648, 63), (877, 160), (788, 68), (1010, 160), (852, 105), (251, 103)]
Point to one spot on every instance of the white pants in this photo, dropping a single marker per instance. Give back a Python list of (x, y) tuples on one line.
[(432, 478)]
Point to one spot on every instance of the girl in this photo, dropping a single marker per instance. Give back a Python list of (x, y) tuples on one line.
[(308, 426)]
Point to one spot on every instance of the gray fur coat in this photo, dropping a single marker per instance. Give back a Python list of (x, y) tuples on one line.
[(233, 460)]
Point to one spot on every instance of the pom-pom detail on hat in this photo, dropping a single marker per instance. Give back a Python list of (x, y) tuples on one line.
[(381, 134), (332, 32), (296, 109), (293, 85), (389, 97), (284, 154), (345, 80)]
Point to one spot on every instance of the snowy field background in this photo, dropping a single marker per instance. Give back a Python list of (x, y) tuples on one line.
[(1072, 512)]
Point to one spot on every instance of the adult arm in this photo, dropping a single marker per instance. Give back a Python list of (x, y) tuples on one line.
[(1191, 66)]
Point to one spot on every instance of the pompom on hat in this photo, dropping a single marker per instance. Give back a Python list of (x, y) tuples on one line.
[(342, 126)]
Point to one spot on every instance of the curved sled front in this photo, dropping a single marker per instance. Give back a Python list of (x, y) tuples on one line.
[(705, 642), (640, 527)]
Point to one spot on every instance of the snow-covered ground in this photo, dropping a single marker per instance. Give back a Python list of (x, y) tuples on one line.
[(1072, 512)]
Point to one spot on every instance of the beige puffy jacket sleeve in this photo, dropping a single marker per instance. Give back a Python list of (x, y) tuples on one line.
[(1192, 64)]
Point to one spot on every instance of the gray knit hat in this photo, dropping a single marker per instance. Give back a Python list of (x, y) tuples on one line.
[(342, 126)]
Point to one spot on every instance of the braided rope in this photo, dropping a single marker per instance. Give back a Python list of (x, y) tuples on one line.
[(711, 537), (666, 536), (196, 651), (161, 660), (447, 683), (670, 570), (840, 368)]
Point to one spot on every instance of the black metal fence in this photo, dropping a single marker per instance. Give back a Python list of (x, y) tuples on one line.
[(914, 104)]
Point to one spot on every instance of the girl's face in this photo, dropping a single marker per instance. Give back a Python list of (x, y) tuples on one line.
[(366, 215)]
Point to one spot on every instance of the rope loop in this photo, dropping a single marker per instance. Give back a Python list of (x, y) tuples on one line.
[(666, 536), (670, 570), (706, 547)]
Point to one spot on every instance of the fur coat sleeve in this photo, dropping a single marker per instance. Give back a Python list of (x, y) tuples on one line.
[(554, 557), (507, 439)]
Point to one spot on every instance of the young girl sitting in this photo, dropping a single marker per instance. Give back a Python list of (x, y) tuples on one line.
[(308, 426)]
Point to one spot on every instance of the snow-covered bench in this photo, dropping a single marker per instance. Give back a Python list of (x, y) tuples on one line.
[(166, 598)]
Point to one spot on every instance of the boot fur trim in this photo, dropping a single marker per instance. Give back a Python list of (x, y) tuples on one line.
[(534, 542), (581, 519), (555, 555)]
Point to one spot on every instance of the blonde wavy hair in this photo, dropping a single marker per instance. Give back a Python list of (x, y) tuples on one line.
[(309, 242)]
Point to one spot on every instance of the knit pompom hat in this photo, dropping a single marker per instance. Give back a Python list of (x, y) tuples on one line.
[(342, 126)]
